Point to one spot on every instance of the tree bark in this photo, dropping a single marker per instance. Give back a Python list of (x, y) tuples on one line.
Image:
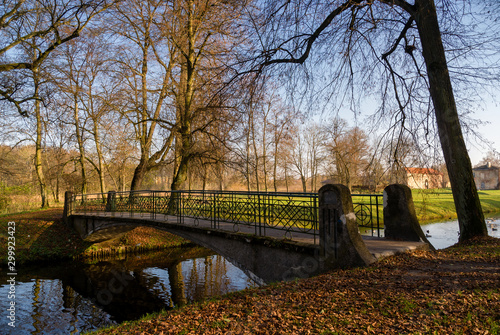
[(79, 140), (185, 158), (468, 207), (139, 173), (100, 158), (38, 146)]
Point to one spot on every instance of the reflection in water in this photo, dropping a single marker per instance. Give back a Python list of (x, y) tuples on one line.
[(77, 297)]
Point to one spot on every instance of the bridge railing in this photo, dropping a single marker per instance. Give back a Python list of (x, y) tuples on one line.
[(289, 213), (369, 213)]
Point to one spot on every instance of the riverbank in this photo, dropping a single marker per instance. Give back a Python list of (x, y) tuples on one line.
[(451, 291), (42, 236), (438, 205)]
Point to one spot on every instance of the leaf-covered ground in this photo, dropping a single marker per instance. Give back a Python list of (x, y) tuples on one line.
[(454, 291)]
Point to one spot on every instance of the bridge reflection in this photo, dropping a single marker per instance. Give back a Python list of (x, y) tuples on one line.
[(87, 296)]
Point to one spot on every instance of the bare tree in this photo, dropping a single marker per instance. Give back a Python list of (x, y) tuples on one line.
[(48, 24), (307, 153), (145, 59), (205, 33), (348, 152), (352, 36)]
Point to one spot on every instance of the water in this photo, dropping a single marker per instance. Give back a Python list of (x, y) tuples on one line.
[(76, 297), (445, 234)]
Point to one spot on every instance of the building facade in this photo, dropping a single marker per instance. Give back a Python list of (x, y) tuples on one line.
[(424, 178), (487, 177)]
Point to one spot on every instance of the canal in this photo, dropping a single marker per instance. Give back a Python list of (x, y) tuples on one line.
[(75, 297)]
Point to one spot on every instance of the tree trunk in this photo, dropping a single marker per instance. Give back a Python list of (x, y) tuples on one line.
[(468, 207), (100, 158), (256, 154), (286, 177), (185, 148), (275, 167), (181, 176), (38, 147), (304, 182), (247, 161), (79, 140), (264, 151), (139, 173)]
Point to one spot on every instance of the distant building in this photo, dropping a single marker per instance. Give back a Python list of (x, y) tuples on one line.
[(487, 177), (423, 178)]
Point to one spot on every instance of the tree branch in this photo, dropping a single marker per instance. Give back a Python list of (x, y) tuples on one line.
[(400, 37), (314, 36)]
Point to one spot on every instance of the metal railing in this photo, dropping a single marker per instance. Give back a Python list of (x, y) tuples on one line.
[(262, 211), (369, 213)]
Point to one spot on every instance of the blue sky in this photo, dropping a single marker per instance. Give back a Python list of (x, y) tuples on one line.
[(491, 131)]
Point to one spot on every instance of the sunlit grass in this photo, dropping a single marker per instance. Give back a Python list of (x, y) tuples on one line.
[(19, 203), (438, 204)]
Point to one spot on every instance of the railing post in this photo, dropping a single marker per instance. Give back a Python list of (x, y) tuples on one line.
[(252, 201), (315, 218), (371, 215), (131, 202), (260, 215), (153, 214), (214, 205), (111, 201), (378, 216), (180, 207), (178, 198)]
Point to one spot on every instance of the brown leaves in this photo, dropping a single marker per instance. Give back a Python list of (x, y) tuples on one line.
[(445, 292)]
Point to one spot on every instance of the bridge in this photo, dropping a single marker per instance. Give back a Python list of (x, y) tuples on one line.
[(271, 236)]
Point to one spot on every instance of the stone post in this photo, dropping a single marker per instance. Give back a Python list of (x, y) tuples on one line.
[(111, 201), (400, 219), (341, 244), (68, 206)]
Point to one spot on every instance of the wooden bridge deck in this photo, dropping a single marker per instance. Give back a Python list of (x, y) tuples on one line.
[(378, 247)]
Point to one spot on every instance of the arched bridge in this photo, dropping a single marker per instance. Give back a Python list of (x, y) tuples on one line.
[(270, 236)]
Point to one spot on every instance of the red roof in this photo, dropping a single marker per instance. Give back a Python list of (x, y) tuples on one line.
[(422, 171)]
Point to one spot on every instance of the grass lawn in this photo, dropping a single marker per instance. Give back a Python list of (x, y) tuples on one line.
[(438, 204)]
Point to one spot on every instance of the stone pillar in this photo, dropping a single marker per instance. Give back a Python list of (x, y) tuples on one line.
[(400, 219), (341, 244), (68, 206), (111, 201)]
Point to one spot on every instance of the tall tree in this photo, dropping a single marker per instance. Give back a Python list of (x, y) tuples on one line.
[(351, 32), (145, 59), (48, 24), (348, 152), (31, 31), (83, 77), (205, 34)]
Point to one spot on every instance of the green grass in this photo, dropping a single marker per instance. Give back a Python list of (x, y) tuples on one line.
[(431, 205)]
